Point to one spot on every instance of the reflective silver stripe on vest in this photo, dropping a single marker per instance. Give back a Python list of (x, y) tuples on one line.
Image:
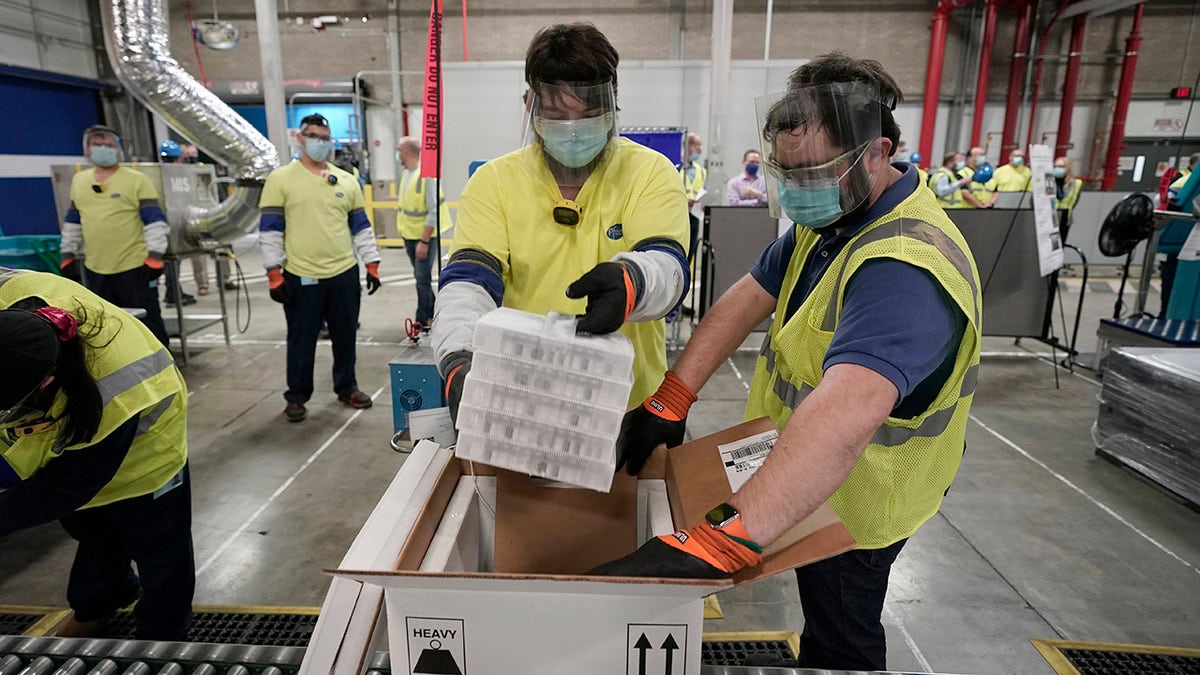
[(934, 425), (913, 229), (7, 274), (128, 377), (789, 394), (151, 416), (766, 352), (416, 214)]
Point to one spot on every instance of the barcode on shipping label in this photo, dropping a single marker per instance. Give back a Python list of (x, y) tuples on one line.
[(743, 457)]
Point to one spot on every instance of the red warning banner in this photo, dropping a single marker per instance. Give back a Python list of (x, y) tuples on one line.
[(431, 127)]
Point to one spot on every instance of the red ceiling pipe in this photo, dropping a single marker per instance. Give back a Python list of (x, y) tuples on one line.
[(1016, 78), (933, 75), (1041, 62), (1116, 139), (985, 65), (1070, 85)]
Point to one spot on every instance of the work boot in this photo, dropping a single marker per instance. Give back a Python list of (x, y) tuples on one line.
[(356, 399), (96, 628), (295, 412), (184, 298)]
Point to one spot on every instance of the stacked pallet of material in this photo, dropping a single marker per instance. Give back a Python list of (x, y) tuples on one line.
[(1149, 417)]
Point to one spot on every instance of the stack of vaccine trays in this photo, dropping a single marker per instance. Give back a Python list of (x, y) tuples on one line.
[(544, 401)]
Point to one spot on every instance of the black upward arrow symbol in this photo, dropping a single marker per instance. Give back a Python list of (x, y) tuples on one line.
[(670, 646), (642, 645)]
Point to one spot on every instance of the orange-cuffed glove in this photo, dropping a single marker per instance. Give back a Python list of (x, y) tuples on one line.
[(373, 282), (661, 419), (611, 291), (70, 269), (699, 552), (280, 291), (152, 268)]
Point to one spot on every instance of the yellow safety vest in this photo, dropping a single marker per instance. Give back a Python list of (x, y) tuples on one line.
[(413, 212), (137, 378), (953, 200), (1178, 182), (981, 191), (693, 187), (1071, 195), (900, 478)]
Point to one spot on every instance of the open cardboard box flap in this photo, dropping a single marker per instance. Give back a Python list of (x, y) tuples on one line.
[(696, 482)]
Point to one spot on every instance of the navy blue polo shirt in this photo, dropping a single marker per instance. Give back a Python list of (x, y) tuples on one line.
[(896, 318)]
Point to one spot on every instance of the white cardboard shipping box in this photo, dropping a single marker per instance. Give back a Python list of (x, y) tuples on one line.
[(448, 613)]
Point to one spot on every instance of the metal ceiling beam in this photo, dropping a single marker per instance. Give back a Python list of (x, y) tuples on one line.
[(1097, 7)]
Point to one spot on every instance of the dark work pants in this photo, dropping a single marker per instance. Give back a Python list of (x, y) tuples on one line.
[(423, 272), (842, 598), (335, 301), (1167, 269), (131, 290), (156, 534)]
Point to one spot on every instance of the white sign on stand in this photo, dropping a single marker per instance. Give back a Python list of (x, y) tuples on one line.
[(1049, 241)]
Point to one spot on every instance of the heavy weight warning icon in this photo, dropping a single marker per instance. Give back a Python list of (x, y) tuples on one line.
[(436, 646), (656, 649)]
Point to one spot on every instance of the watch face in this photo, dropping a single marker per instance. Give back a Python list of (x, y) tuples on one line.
[(720, 516)]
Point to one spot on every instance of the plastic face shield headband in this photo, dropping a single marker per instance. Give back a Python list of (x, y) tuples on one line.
[(23, 409), (817, 138)]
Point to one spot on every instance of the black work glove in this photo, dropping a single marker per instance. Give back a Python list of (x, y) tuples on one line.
[(70, 270), (152, 269), (611, 295), (657, 559), (456, 367), (280, 291), (373, 282), (661, 419)]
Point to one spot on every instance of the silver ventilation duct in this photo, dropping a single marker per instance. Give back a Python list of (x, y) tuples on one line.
[(136, 38)]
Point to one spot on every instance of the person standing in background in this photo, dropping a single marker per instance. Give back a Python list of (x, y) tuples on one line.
[(422, 204), (947, 183), (1014, 176), (312, 223), (695, 177), (981, 192), (748, 188), (115, 216)]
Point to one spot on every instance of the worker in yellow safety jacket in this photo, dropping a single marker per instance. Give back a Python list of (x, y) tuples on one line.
[(1067, 188), (578, 221), (695, 177), (948, 184), (868, 369), (1014, 176), (421, 216), (93, 433), (981, 191)]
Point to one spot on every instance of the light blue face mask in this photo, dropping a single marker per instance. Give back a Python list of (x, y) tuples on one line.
[(814, 205), (103, 155), (1017, 161), (693, 158), (317, 150), (1060, 172), (574, 143)]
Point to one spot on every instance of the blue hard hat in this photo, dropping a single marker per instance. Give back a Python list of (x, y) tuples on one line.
[(915, 158), (984, 173), (170, 149)]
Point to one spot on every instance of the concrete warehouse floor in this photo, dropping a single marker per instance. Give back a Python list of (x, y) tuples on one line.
[(1037, 538)]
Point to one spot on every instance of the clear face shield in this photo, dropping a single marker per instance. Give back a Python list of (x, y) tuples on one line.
[(102, 147), (30, 406), (572, 126), (824, 150)]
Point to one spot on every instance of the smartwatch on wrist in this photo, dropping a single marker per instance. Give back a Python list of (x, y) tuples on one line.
[(721, 515)]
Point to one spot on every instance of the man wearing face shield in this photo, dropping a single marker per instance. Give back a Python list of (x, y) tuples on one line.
[(116, 218), (93, 433), (868, 369), (577, 221), (313, 222)]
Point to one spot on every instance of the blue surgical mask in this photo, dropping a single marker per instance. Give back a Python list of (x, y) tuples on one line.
[(574, 143), (1017, 161), (1060, 172), (317, 150), (960, 165), (751, 169), (103, 155), (815, 205), (693, 158)]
